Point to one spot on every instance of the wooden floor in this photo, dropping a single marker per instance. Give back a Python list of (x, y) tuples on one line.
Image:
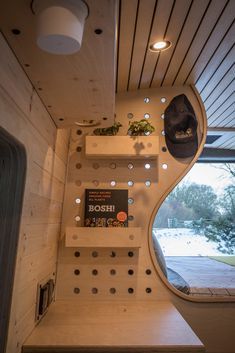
[(113, 327), (205, 276)]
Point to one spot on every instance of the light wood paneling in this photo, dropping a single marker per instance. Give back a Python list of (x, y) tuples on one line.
[(24, 116)]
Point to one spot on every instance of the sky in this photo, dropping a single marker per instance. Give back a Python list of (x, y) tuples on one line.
[(209, 174)]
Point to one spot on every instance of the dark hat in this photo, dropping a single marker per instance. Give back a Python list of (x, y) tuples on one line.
[(180, 125)]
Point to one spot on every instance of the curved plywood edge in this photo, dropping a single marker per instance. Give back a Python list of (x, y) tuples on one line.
[(202, 120)]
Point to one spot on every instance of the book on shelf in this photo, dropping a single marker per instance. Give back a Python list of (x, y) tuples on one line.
[(106, 208)]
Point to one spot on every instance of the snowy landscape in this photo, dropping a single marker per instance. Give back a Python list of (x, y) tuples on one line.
[(183, 242)]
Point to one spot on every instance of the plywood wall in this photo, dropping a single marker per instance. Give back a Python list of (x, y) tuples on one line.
[(96, 163), (23, 115)]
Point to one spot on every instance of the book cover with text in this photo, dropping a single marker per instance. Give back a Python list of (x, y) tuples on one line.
[(106, 208)]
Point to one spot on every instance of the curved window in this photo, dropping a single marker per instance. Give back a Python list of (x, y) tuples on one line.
[(194, 232)]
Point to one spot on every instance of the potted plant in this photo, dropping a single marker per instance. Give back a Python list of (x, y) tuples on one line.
[(108, 131), (140, 128)]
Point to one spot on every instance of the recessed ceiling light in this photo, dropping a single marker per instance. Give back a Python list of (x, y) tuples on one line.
[(159, 46)]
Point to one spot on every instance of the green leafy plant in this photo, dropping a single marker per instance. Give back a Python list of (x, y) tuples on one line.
[(108, 131), (139, 128)]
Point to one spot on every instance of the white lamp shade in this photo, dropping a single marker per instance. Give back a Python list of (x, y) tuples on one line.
[(60, 26)]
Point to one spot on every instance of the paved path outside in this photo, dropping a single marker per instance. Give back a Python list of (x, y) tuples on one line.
[(202, 272)]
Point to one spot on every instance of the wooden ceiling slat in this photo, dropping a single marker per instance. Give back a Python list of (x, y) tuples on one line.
[(231, 122), (216, 59), (177, 21), (227, 119), (196, 12), (216, 37), (229, 144), (173, 31), (200, 39), (213, 107), (220, 88), (141, 41), (218, 114), (126, 34), (159, 26), (219, 74)]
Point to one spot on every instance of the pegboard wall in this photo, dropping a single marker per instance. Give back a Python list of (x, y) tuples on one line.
[(101, 270)]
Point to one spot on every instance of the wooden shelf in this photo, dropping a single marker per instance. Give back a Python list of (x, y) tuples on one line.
[(113, 327), (122, 146), (116, 237)]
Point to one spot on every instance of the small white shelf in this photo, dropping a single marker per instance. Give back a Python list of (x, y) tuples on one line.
[(122, 146), (116, 237)]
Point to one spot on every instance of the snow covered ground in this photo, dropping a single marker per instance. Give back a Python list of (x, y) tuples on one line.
[(183, 242)]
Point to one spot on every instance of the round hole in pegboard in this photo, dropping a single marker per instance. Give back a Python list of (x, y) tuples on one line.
[(164, 149), (79, 132), (77, 272), (130, 272), (148, 290), (76, 290), (77, 254), (130, 290), (130, 115), (162, 116), (163, 99), (146, 99), (146, 115), (163, 132), (148, 271), (78, 182), (147, 183), (130, 183), (112, 290), (95, 272), (94, 254), (113, 183), (78, 149), (131, 237), (105, 118), (130, 253), (130, 218), (77, 218), (113, 272), (78, 165), (96, 182), (112, 166), (147, 166), (113, 254), (77, 200), (130, 201), (164, 166), (95, 165), (130, 166), (94, 290)]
